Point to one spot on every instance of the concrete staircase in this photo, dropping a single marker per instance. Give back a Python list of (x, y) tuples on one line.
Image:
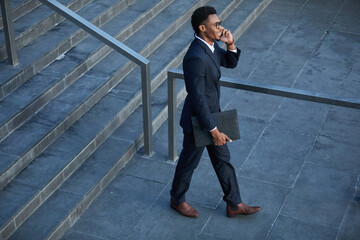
[(71, 110)]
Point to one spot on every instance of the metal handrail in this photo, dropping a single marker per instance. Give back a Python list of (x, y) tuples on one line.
[(122, 49), (275, 90), (9, 32)]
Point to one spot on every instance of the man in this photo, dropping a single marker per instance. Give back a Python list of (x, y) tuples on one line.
[(201, 66)]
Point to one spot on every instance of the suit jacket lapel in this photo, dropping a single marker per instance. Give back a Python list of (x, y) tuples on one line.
[(213, 56)]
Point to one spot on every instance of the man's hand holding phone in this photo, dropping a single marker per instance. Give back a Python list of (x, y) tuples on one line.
[(228, 39)]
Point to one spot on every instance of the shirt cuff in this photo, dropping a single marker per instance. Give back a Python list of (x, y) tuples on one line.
[(213, 129), (234, 51)]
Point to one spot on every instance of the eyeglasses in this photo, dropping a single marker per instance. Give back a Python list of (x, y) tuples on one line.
[(217, 24)]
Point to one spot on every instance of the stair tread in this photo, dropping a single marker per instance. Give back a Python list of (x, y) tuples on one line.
[(15, 3), (48, 41), (20, 8), (31, 19), (60, 153), (59, 199), (77, 185), (45, 79), (29, 91)]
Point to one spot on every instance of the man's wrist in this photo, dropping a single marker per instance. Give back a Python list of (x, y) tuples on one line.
[(231, 46), (214, 132), (213, 129)]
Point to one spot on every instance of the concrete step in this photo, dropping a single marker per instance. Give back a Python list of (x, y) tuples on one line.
[(20, 8), (35, 23), (61, 112), (16, 214), (66, 154), (19, 105), (48, 47), (85, 174), (79, 190), (16, 3)]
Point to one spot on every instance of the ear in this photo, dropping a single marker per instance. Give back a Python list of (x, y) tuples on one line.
[(202, 28)]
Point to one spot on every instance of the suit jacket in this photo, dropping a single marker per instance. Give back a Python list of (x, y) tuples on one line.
[(202, 73)]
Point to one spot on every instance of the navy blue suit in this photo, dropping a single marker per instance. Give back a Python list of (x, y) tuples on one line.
[(202, 73)]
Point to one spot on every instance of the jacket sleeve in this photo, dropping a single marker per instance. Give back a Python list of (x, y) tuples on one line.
[(229, 59), (194, 74)]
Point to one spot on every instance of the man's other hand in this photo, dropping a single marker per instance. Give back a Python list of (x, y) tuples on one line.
[(219, 138)]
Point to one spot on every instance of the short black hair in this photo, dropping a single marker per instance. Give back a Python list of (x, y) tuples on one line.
[(200, 15)]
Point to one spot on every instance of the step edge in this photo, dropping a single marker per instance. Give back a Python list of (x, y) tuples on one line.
[(50, 56), (22, 9), (42, 195), (10, 125), (34, 32)]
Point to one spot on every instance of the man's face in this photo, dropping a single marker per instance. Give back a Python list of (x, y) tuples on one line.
[(213, 29)]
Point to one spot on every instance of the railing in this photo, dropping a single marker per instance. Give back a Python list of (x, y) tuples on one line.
[(105, 38), (174, 74), (9, 32)]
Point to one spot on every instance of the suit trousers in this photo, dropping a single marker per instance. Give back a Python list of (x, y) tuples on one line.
[(188, 161)]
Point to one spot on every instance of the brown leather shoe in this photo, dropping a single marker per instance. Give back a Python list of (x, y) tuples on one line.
[(241, 209), (185, 209)]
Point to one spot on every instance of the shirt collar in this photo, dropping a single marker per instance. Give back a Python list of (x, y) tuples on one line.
[(212, 48)]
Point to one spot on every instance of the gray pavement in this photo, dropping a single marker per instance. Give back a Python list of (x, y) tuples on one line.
[(299, 160)]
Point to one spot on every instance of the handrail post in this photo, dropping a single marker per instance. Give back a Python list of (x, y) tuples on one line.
[(172, 117), (146, 101), (9, 32)]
